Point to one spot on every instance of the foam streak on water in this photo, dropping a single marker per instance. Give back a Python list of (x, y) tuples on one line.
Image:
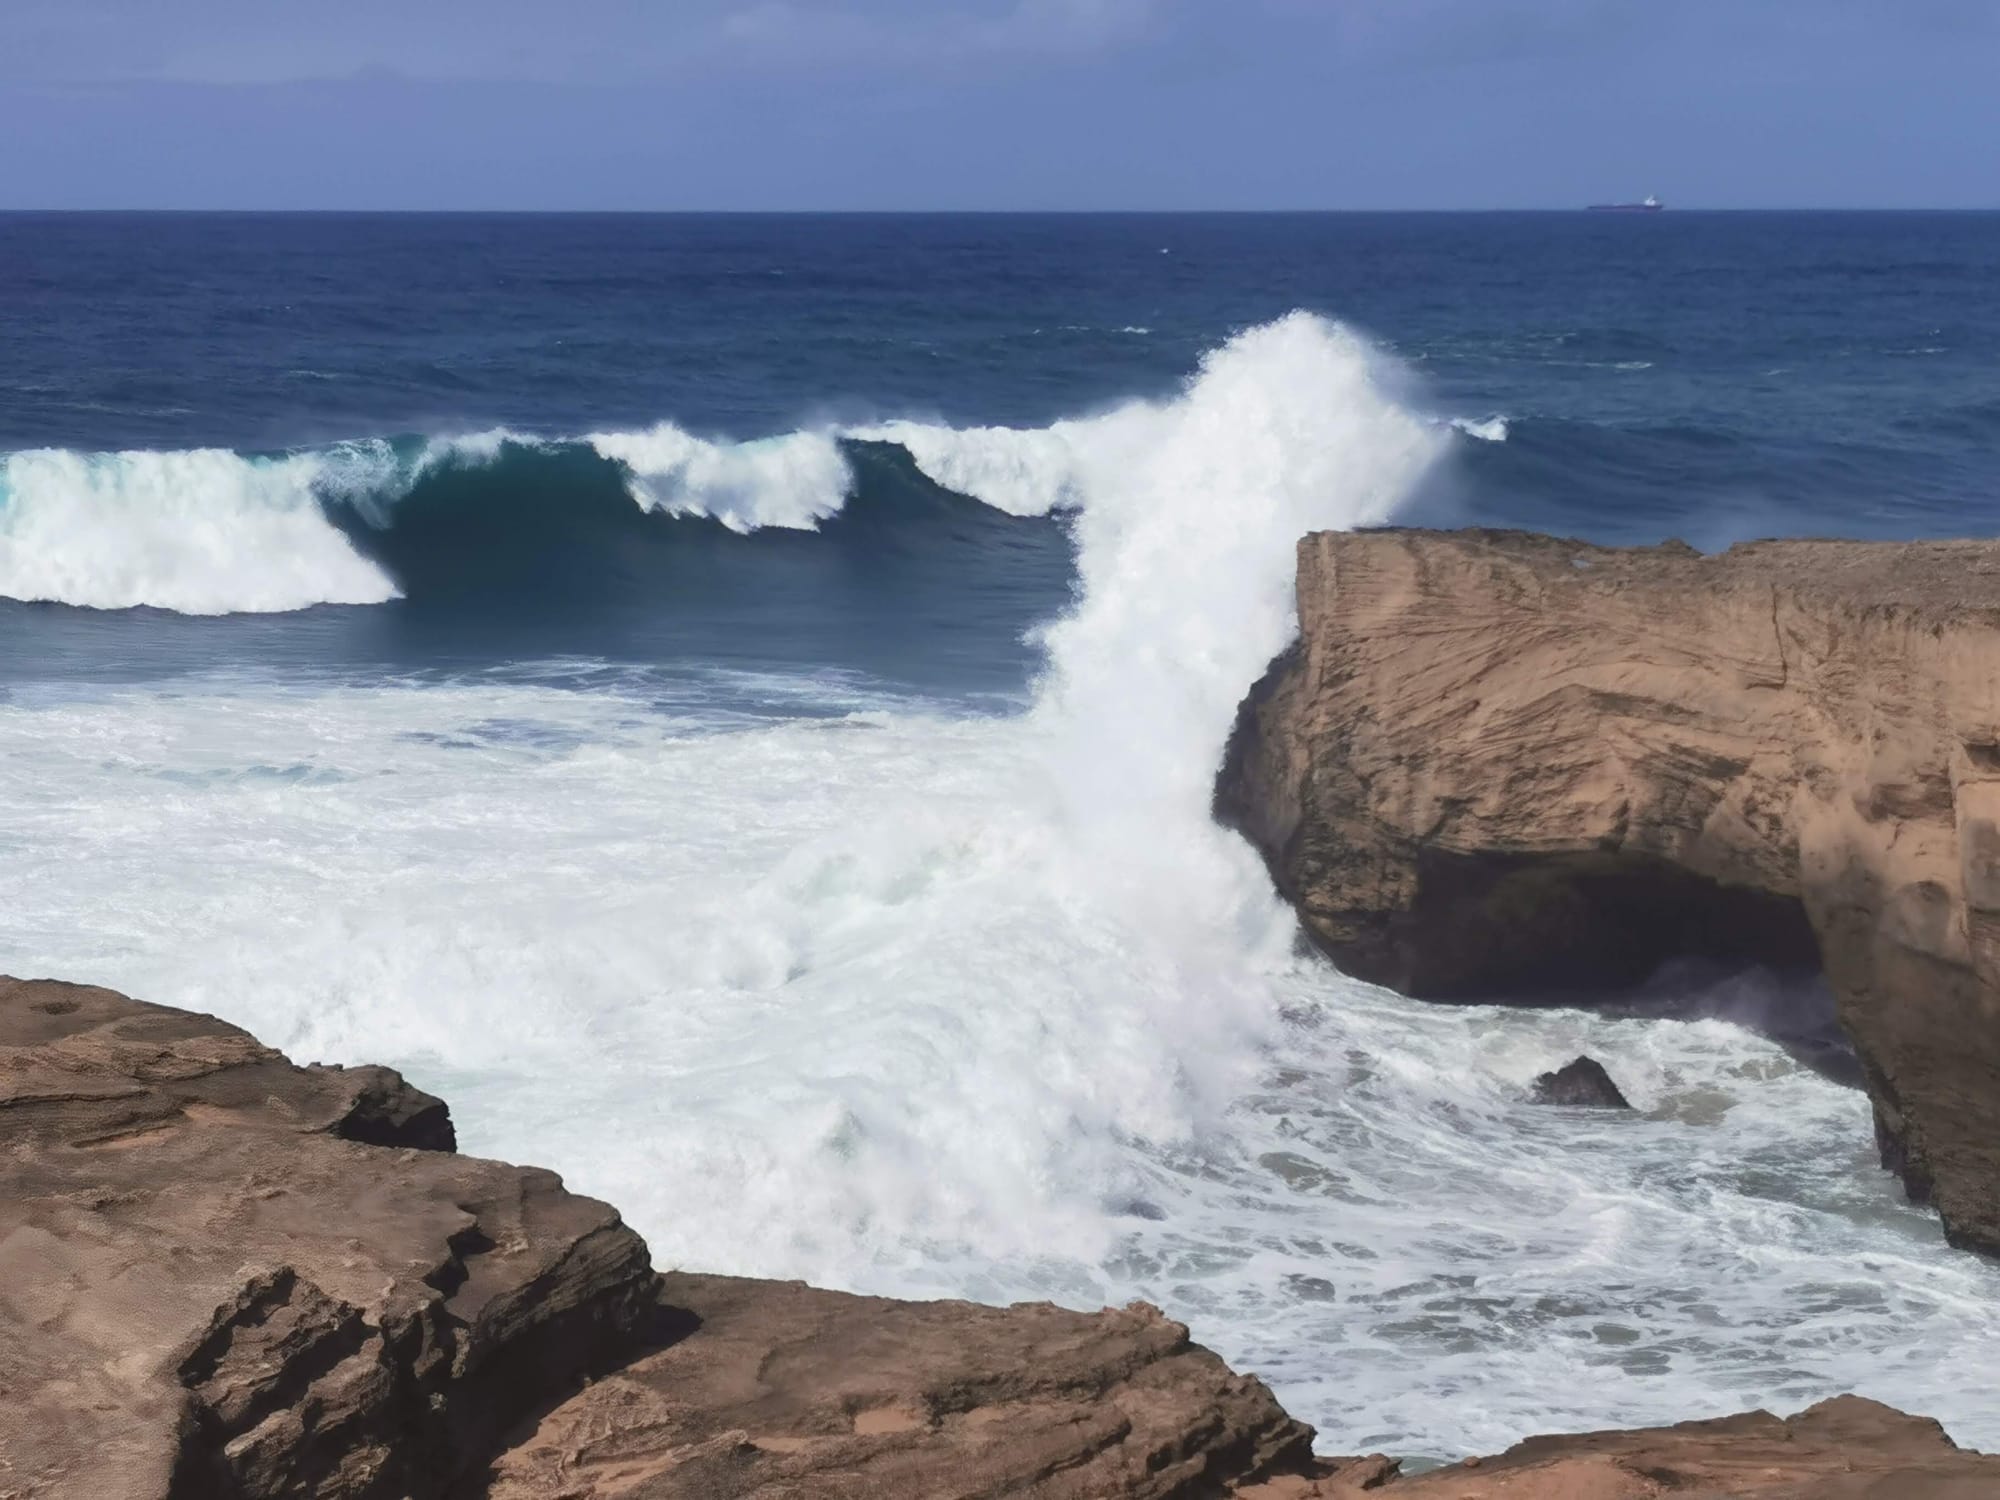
[(901, 999)]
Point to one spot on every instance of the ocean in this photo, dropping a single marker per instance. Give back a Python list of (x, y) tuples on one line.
[(731, 703)]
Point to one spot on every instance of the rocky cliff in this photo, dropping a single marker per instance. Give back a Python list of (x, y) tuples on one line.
[(1502, 764), (224, 1277)]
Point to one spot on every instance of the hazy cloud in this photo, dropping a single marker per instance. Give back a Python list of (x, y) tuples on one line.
[(265, 41), (998, 103), (795, 32)]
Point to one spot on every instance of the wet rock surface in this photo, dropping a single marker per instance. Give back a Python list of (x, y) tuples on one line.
[(1582, 1084), (1498, 763)]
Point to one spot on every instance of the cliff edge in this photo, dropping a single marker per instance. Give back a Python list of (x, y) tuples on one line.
[(226, 1277), (1497, 764)]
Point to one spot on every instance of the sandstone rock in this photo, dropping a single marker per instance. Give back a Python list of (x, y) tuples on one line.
[(1582, 1084), (223, 1275), (210, 1291), (1844, 1449), (786, 1391), (1498, 764)]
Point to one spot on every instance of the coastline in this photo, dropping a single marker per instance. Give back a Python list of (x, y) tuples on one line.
[(229, 1275)]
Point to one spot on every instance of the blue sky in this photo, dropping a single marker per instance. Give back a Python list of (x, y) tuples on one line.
[(997, 104)]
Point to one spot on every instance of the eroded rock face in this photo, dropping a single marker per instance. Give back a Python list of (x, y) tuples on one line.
[(785, 1392), (210, 1290), (225, 1276), (1502, 763), (1582, 1084)]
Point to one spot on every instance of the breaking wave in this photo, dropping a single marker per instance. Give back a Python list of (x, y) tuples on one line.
[(1492, 430), (901, 998), (202, 532), (212, 531)]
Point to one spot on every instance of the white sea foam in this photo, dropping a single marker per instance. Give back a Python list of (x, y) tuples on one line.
[(864, 999), (906, 1001), (203, 532), (794, 481), (1490, 430), (207, 531)]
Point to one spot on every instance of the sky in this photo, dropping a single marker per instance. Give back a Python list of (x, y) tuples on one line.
[(997, 104)]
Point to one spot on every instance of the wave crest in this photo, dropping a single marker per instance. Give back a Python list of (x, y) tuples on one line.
[(1279, 415), (202, 532), (794, 481)]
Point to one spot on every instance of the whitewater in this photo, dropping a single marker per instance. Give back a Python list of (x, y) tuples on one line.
[(815, 975)]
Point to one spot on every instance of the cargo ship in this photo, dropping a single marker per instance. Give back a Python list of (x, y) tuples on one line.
[(1646, 205)]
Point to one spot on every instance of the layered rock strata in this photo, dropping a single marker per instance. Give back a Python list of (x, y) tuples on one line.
[(224, 1277), (1498, 764), (787, 1392)]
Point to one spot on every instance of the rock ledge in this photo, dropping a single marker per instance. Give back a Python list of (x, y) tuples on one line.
[(224, 1277), (1499, 764)]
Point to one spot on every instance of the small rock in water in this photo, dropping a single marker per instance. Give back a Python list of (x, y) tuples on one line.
[(1135, 1208), (1583, 1083)]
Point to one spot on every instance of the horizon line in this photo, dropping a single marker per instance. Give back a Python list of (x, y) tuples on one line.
[(1577, 208)]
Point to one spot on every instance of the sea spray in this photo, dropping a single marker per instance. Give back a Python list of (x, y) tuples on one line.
[(1188, 515), (203, 531), (793, 481), (1020, 961)]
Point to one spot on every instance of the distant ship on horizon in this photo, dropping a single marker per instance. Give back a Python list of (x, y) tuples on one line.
[(1646, 205)]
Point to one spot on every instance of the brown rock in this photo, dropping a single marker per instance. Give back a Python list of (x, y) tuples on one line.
[(209, 1292), (224, 1277), (1498, 762), (210, 1286), (784, 1392), (1844, 1449)]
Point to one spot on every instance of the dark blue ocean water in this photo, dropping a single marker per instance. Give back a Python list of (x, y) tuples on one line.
[(1711, 376)]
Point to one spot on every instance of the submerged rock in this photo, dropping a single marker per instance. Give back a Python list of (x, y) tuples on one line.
[(1581, 1084), (1499, 763)]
